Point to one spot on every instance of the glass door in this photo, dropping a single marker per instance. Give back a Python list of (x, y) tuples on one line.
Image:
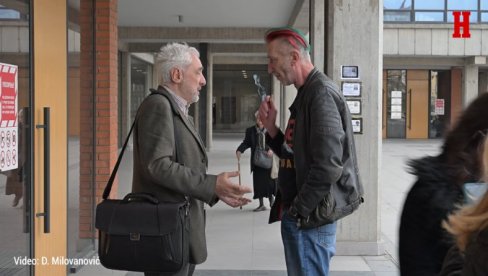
[(15, 161), (440, 103), (81, 191), (396, 103)]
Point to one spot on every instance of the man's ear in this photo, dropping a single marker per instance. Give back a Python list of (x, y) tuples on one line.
[(176, 75), (295, 57)]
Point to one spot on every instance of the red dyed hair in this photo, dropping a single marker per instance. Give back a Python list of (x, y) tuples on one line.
[(292, 36)]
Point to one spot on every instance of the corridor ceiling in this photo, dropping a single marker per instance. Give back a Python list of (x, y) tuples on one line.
[(205, 13), (213, 21)]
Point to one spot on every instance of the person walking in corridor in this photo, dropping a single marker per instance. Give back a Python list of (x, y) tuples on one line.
[(263, 184), (318, 165), (172, 172)]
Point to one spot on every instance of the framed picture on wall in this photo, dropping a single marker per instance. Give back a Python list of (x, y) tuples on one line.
[(354, 106), (357, 125), (350, 72), (351, 89)]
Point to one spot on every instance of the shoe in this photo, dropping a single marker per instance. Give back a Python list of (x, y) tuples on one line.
[(260, 208)]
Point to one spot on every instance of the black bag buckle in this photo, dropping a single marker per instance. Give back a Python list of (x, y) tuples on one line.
[(135, 236)]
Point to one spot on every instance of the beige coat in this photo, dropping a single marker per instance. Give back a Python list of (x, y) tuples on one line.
[(156, 172)]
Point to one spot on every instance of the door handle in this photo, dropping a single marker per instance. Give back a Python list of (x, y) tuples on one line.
[(47, 171), (410, 109)]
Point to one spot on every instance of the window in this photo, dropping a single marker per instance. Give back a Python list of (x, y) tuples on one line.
[(463, 5), (484, 5), (433, 10), (397, 4), (430, 5), (9, 14), (397, 16), (429, 16), (484, 17)]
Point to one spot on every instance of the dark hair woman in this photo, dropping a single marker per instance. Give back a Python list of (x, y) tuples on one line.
[(438, 192)]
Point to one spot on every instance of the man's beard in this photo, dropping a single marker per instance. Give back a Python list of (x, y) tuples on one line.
[(195, 99)]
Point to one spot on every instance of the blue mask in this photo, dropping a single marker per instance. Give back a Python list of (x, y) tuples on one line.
[(474, 191)]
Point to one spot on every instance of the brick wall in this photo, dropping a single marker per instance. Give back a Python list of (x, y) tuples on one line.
[(98, 114)]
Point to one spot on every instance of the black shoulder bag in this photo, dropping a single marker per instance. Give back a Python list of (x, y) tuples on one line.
[(140, 233)]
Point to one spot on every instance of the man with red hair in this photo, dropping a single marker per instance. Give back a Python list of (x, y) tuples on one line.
[(318, 177)]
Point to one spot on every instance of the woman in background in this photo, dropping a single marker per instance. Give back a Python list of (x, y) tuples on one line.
[(263, 184)]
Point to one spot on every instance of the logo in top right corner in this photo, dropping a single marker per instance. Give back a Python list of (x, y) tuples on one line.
[(461, 22)]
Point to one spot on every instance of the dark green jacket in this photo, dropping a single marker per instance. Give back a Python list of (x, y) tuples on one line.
[(156, 172)]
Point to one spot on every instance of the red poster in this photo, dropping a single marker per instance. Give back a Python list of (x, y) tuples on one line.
[(8, 117), (8, 94)]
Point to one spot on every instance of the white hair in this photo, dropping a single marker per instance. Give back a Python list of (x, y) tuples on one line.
[(174, 55)]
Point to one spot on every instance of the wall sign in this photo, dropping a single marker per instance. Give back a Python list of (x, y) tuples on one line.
[(350, 72), (351, 89), (396, 105), (357, 125), (439, 107), (354, 106), (9, 138)]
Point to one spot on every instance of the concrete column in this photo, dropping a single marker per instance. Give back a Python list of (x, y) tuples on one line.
[(317, 33), (288, 94), (470, 84), (155, 73), (355, 37), (276, 96), (200, 108), (209, 100), (483, 82)]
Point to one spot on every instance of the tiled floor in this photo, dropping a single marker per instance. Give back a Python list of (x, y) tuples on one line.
[(242, 243)]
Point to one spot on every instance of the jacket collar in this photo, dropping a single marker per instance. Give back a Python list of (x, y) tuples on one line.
[(177, 112), (307, 82), (304, 87)]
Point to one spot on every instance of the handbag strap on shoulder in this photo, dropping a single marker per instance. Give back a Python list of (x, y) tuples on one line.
[(261, 139), (108, 187)]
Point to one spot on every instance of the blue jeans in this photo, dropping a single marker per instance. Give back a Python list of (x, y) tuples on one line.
[(307, 252)]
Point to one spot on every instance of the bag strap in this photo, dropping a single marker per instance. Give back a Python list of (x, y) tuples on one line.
[(110, 182), (108, 187), (261, 139)]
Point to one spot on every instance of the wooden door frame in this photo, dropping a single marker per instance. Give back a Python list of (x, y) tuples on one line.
[(418, 128), (49, 50)]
